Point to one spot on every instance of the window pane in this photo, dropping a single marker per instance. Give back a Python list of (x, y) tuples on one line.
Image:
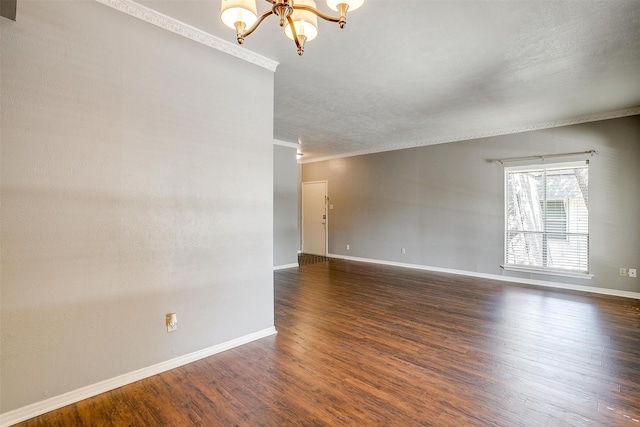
[(571, 253), (555, 215), (523, 201), (524, 249)]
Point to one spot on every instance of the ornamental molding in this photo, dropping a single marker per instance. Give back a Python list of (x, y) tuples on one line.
[(547, 125), (165, 22), (286, 144)]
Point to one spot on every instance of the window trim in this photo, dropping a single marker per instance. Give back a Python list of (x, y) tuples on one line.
[(546, 271), (539, 270)]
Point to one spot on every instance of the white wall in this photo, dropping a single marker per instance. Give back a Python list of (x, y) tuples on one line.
[(135, 182)]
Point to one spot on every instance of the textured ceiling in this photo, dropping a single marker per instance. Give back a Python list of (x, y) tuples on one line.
[(408, 73)]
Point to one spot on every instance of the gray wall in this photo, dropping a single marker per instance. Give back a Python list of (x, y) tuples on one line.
[(444, 203), (131, 187), (285, 206)]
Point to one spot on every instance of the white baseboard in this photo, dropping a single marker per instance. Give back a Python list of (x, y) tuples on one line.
[(39, 408), (604, 291), (283, 267)]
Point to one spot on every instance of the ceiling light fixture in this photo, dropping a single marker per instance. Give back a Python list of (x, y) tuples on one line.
[(299, 18)]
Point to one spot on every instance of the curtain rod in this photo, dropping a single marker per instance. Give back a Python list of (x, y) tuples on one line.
[(543, 157)]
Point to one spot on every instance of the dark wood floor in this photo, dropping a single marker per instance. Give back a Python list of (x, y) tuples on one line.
[(361, 345)]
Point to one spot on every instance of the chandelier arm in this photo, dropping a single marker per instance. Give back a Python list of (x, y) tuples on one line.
[(299, 45), (317, 12), (256, 24)]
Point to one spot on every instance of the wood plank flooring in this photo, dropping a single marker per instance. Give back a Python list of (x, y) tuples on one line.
[(366, 345)]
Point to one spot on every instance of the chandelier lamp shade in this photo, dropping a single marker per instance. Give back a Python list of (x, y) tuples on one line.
[(299, 18)]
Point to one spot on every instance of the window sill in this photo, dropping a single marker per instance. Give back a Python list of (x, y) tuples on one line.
[(547, 272)]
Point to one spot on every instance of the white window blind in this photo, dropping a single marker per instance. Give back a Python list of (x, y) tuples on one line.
[(547, 217)]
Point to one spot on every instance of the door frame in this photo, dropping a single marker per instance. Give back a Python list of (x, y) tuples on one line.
[(326, 213)]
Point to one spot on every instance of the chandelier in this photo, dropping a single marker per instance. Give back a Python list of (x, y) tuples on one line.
[(299, 18)]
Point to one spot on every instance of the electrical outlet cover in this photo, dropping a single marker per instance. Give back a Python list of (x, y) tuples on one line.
[(172, 322), (632, 272), (623, 272)]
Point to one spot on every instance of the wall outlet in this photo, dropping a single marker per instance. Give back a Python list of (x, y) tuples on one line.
[(348, 247), (172, 322), (623, 272), (403, 251), (632, 272)]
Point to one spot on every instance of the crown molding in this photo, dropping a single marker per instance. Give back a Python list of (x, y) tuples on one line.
[(286, 144), (165, 22), (547, 125)]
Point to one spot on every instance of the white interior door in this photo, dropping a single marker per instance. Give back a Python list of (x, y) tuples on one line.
[(314, 218)]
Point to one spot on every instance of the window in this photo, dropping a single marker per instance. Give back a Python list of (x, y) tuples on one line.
[(547, 218)]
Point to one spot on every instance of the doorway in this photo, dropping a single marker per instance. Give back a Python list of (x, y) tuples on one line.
[(314, 218)]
